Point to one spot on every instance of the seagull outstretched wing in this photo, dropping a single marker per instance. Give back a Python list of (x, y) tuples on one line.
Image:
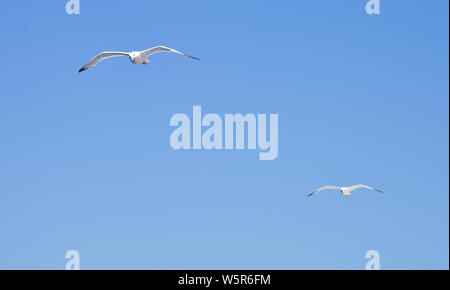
[(351, 188), (100, 57), (156, 49), (323, 188)]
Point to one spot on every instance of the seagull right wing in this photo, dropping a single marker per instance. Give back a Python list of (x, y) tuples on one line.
[(362, 186), (156, 49), (100, 57), (323, 188)]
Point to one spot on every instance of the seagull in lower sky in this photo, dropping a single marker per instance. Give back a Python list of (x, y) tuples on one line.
[(136, 57), (345, 190)]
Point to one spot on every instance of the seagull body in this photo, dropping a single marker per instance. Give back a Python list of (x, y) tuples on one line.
[(345, 190), (136, 57)]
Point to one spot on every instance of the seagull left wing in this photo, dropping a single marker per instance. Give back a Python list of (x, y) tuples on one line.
[(362, 186), (323, 188), (156, 49), (100, 57)]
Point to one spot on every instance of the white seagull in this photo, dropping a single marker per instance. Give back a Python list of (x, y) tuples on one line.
[(345, 190), (136, 57)]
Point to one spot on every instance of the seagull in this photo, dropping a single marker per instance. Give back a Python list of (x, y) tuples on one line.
[(345, 190), (136, 57)]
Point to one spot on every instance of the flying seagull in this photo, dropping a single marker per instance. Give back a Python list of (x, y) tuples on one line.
[(345, 190), (136, 57)]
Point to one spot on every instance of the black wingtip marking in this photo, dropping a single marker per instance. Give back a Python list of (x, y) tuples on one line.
[(82, 69), (193, 57)]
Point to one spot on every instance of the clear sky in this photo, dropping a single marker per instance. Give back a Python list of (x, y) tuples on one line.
[(86, 164)]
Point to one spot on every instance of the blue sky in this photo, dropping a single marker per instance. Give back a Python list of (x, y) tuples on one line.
[(85, 160)]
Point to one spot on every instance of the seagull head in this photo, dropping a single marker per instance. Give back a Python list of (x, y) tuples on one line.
[(133, 55), (345, 191)]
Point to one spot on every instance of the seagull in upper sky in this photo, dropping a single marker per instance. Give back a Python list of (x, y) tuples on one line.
[(345, 190), (136, 57)]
